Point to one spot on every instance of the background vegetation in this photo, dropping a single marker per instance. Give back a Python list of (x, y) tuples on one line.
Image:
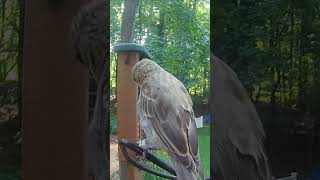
[(177, 34), (272, 45), (274, 48), (10, 75)]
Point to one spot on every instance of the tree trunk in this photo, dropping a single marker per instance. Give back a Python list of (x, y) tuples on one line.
[(128, 18), (291, 60), (257, 98), (276, 80), (161, 33), (20, 58), (140, 29), (161, 28), (3, 14), (282, 86)]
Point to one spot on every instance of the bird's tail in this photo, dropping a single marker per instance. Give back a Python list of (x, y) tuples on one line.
[(185, 174)]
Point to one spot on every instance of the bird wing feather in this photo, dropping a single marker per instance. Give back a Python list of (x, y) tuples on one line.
[(238, 131), (173, 120)]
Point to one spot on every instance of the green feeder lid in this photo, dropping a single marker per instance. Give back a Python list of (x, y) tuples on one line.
[(126, 47)]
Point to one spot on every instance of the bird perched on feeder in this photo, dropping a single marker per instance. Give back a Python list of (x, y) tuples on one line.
[(167, 118)]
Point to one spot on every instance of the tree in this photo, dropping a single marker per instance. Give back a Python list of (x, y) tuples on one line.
[(128, 18)]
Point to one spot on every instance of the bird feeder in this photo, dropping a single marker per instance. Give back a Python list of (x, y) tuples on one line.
[(128, 54)]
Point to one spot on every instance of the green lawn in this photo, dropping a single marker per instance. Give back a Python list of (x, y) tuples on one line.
[(204, 143)]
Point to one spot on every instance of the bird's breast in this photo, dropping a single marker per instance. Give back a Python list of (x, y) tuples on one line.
[(152, 137)]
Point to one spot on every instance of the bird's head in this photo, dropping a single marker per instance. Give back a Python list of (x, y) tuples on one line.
[(143, 69)]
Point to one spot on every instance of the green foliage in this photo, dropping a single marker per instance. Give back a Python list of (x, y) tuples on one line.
[(272, 46), (10, 54), (164, 157), (113, 121), (9, 38), (177, 35)]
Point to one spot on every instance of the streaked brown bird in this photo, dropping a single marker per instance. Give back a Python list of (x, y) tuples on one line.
[(238, 135), (167, 118)]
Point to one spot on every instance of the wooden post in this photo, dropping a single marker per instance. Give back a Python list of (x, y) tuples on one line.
[(127, 92), (55, 95)]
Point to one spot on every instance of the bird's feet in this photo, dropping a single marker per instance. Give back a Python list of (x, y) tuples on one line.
[(142, 142), (146, 148)]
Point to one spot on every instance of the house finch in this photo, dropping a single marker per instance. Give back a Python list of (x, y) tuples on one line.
[(167, 118)]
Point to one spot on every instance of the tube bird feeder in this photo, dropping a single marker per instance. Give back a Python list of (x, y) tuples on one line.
[(128, 54)]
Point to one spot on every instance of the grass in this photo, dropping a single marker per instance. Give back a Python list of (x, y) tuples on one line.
[(204, 145)]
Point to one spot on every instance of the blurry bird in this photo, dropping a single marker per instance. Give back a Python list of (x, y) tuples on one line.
[(167, 118), (238, 134), (89, 41), (89, 38)]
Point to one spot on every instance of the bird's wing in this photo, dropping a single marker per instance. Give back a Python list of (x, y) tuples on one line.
[(173, 123), (238, 132)]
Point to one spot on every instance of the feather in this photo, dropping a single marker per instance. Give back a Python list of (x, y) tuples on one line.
[(238, 132), (165, 110)]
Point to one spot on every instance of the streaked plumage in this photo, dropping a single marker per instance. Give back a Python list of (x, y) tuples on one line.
[(167, 118)]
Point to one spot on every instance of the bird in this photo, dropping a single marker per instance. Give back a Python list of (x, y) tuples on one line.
[(238, 134), (89, 41), (166, 116), (89, 37)]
